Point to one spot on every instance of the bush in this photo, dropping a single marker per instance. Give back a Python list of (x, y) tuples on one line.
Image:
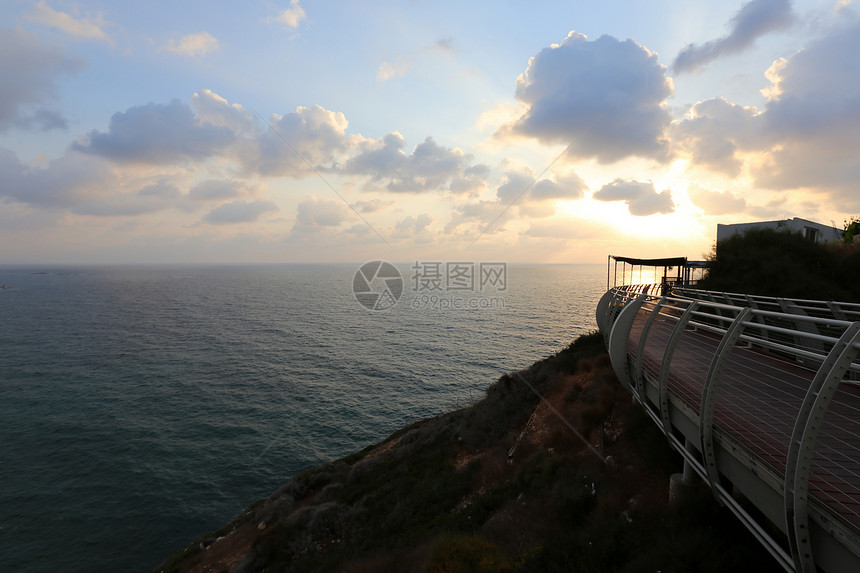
[(783, 264), (466, 553)]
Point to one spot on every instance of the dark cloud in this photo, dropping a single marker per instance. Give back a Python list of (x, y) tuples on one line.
[(753, 20), (28, 74), (157, 134), (239, 212), (641, 197), (604, 98)]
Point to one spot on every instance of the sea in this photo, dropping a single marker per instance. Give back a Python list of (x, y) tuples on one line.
[(144, 406)]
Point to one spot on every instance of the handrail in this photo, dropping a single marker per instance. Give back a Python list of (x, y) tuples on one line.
[(752, 367), (849, 311)]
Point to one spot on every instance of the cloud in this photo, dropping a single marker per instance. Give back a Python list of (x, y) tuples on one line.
[(444, 46), (472, 180), (536, 210), (29, 71), (415, 228), (86, 185), (806, 135), (567, 228), (716, 132), (401, 65), (641, 197), (604, 98), (192, 45), (157, 134), (812, 126), (65, 182), (313, 215), (515, 184), (371, 206), (240, 212), (216, 189), (753, 20), (429, 167), (149, 199), (481, 216), (160, 190), (291, 17), (716, 202), (212, 108), (310, 136), (388, 70), (566, 187), (88, 28), (519, 185)]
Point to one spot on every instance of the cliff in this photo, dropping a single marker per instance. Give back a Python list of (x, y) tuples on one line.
[(574, 481)]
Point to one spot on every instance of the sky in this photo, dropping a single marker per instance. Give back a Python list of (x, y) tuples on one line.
[(301, 131)]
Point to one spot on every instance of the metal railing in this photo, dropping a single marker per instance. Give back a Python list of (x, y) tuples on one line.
[(821, 308), (755, 404)]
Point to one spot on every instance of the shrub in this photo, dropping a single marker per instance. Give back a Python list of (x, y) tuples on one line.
[(466, 553), (782, 264)]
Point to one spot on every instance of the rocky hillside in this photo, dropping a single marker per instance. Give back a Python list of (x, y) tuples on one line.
[(574, 481)]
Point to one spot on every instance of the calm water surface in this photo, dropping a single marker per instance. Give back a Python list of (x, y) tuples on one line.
[(144, 406)]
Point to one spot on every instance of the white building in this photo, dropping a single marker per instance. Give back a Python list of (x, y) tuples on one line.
[(809, 229)]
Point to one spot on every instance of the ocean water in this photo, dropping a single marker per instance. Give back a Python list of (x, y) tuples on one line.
[(143, 406)]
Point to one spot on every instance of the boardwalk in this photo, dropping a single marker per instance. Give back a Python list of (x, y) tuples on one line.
[(762, 405)]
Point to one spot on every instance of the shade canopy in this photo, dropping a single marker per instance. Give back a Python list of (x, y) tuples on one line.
[(667, 262)]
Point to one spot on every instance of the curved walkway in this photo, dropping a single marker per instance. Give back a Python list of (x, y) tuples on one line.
[(760, 403)]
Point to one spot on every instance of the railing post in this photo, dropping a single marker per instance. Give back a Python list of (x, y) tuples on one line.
[(709, 396), (789, 307), (637, 364), (663, 380), (836, 310), (799, 460), (618, 337)]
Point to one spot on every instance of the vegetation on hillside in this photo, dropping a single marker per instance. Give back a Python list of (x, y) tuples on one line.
[(507, 484), (785, 264)]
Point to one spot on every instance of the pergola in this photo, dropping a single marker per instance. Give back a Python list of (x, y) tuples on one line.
[(680, 268)]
